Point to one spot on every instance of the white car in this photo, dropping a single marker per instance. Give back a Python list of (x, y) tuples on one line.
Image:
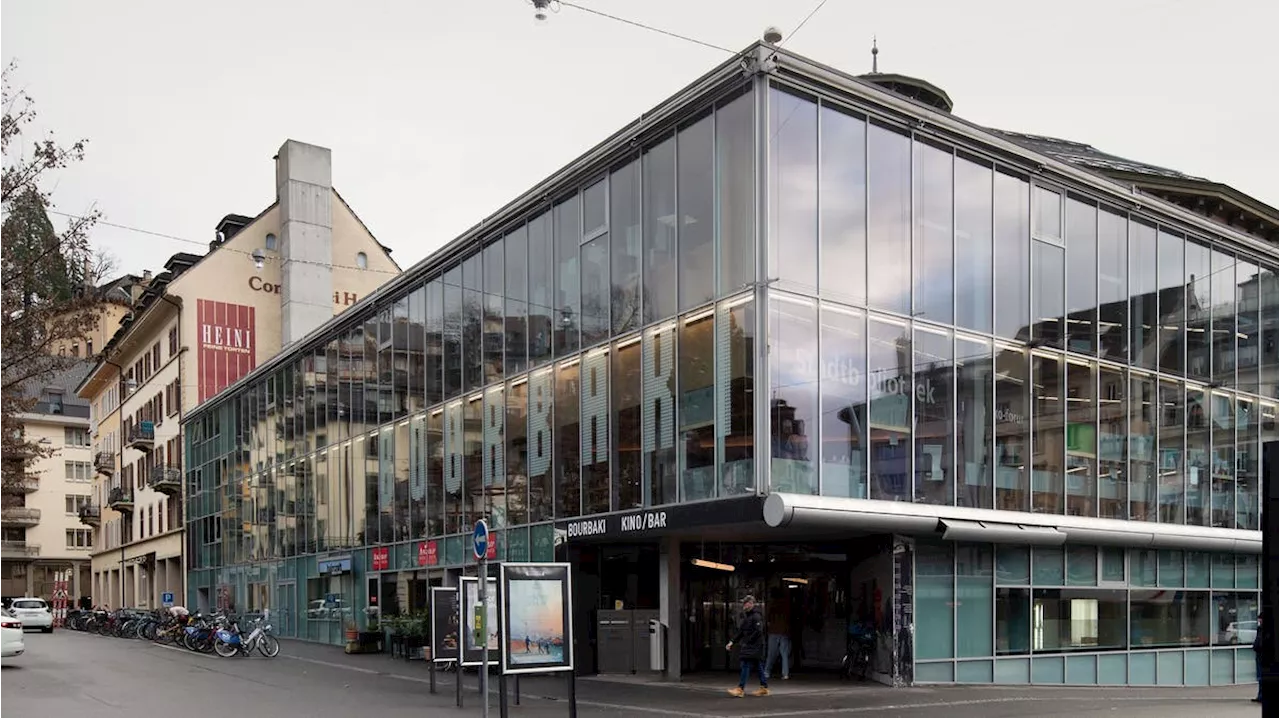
[(1242, 632), (33, 613), (11, 643)]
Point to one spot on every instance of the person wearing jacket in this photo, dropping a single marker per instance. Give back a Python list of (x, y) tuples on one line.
[(749, 638), (1261, 638)]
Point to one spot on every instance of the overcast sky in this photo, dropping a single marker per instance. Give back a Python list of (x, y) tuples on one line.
[(440, 112)]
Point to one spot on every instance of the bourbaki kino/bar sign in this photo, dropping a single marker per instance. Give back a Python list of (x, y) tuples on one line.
[(658, 521)]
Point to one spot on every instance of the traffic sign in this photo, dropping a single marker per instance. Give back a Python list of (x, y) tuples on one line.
[(166, 599), (480, 539)]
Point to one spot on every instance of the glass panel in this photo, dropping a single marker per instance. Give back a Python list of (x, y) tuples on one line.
[(843, 197), (437, 459), (625, 252), (1142, 565), (793, 401), (568, 471), (1197, 569), (889, 423), (1046, 567), (1198, 482), (568, 316), (472, 325), (1171, 278), (1113, 669), (889, 219), (454, 456), (844, 402), (975, 601), (1223, 314), (1082, 670), (1047, 299), (1013, 621), (975, 412), (476, 499), (1048, 214), (974, 671), (931, 261), (453, 332), (1169, 618), (595, 209), (1113, 286), (494, 419), (517, 302), (1082, 451), (697, 413), (595, 291), (542, 387), (793, 183), (1269, 325), (1013, 441), (1170, 569), (1012, 256), (1223, 467), (627, 461), (1247, 458), (1235, 618), (1142, 448), (1199, 279), (1248, 336), (1172, 491), (933, 380), (1143, 348), (594, 429), (1082, 275), (935, 598), (542, 313), (1112, 561), (1246, 571), (1078, 619), (658, 415), (517, 451), (696, 186), (1047, 470), (660, 231), (736, 179), (1112, 443), (735, 377), (1082, 566), (1013, 565), (494, 329), (973, 244)]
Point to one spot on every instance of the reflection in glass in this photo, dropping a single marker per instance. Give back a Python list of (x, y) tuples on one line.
[(658, 430), (889, 219), (1082, 451), (659, 205), (1199, 310), (1235, 613), (1142, 448), (1047, 299), (932, 258), (627, 393), (697, 414), (454, 457), (973, 244), (1222, 471), (843, 199), (1269, 332), (1173, 488), (735, 375), (793, 185), (696, 186), (793, 402), (1171, 279), (975, 417), (494, 470), (1113, 441), (1223, 315), (625, 251), (517, 451), (493, 332), (436, 462), (1013, 425), (1197, 458), (1143, 348), (568, 470), (1048, 436), (1165, 619), (1248, 335), (453, 332), (1113, 286), (542, 313), (1048, 214), (735, 172), (472, 324), (516, 326), (1247, 460), (1082, 275), (844, 402), (889, 423), (1078, 619), (595, 291), (594, 430), (542, 387), (1013, 621), (1012, 256), (477, 501), (568, 312), (932, 382)]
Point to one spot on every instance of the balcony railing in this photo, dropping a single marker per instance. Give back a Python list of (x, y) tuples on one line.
[(120, 500), (141, 436), (20, 516), (104, 462), (166, 479), (19, 549), (90, 515), (21, 485)]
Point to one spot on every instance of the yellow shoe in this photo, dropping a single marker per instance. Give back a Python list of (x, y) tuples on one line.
[(760, 692), (735, 692)]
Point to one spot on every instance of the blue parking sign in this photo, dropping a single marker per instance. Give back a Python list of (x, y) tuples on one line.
[(166, 598)]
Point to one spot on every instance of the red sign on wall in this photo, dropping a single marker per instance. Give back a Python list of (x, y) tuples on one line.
[(228, 348), (381, 559), (428, 553)]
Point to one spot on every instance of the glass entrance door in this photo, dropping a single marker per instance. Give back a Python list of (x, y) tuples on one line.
[(284, 613)]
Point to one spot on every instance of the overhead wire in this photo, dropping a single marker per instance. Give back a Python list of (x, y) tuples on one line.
[(644, 26)]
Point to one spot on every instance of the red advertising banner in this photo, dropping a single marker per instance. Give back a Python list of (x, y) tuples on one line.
[(381, 558), (428, 553), (227, 344), (491, 551)]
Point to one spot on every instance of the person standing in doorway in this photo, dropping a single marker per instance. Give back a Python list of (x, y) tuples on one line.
[(779, 625), (749, 638)]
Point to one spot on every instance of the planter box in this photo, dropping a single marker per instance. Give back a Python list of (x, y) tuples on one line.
[(366, 642)]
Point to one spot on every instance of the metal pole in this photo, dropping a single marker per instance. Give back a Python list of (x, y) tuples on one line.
[(457, 678), (1269, 689), (483, 620), (502, 695), (573, 694), (432, 668)]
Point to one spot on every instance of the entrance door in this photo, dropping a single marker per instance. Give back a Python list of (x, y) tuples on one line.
[(711, 615), (283, 616)]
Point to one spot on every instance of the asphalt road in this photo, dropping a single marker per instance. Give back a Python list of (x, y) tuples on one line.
[(71, 675)]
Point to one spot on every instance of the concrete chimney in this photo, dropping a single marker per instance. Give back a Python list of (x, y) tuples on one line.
[(304, 182)]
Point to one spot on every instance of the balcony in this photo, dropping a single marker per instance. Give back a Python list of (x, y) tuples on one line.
[(120, 500), (20, 516), (166, 480), (104, 462), (141, 437), (91, 516), (21, 485), (11, 550)]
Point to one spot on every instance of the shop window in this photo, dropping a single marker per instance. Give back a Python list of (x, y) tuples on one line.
[(1013, 621), (975, 598), (935, 600), (1169, 619), (1078, 619), (735, 377)]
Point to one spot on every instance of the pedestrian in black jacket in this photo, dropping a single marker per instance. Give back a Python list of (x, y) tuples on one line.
[(750, 641), (1261, 638)]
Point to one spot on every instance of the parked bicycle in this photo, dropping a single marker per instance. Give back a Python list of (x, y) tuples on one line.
[(230, 641)]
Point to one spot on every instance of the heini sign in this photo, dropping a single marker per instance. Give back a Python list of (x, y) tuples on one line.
[(228, 344)]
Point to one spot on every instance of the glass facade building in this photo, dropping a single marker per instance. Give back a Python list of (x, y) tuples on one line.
[(790, 291)]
